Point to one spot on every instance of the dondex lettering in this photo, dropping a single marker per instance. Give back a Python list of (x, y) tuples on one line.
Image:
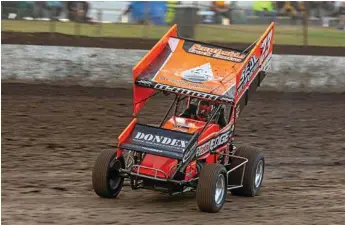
[(160, 139)]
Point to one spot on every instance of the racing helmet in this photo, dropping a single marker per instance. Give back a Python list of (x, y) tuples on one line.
[(203, 110)]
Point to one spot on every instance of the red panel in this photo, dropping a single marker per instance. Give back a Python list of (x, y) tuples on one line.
[(158, 162)]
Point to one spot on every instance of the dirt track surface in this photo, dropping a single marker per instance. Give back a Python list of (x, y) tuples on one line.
[(58, 39), (52, 135)]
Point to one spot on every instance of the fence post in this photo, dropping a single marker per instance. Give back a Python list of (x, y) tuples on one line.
[(52, 21), (305, 23), (19, 13), (77, 20), (146, 22), (100, 25), (186, 20), (77, 23)]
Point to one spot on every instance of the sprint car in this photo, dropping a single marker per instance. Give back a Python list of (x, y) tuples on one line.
[(184, 153)]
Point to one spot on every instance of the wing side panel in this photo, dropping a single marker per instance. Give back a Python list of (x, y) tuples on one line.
[(141, 93), (259, 59)]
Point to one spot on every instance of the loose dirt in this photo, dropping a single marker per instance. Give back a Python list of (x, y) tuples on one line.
[(51, 136)]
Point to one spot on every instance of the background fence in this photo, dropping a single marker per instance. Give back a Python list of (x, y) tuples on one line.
[(298, 23)]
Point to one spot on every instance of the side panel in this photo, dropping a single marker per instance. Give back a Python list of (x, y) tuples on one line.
[(125, 133), (255, 68), (214, 141), (123, 136), (141, 93), (153, 53)]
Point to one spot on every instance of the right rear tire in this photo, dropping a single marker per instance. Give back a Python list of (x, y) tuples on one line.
[(105, 175), (253, 174), (212, 188)]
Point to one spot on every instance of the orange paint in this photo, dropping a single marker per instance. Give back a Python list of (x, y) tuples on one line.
[(123, 136), (224, 71)]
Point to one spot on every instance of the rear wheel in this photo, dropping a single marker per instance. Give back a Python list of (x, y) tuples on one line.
[(105, 175), (254, 172), (212, 188)]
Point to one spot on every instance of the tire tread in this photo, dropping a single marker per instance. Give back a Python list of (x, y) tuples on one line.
[(99, 174), (206, 186)]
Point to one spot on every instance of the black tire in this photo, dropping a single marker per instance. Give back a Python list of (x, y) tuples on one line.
[(206, 189), (105, 175), (249, 188)]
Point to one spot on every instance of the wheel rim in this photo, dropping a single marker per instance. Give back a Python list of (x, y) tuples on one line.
[(114, 182), (114, 178), (259, 173), (220, 184)]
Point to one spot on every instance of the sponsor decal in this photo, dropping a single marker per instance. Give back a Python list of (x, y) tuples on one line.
[(254, 62), (192, 93), (199, 74), (215, 142), (160, 140), (145, 83), (188, 83), (217, 53), (266, 66), (265, 46), (248, 71), (202, 149), (237, 111)]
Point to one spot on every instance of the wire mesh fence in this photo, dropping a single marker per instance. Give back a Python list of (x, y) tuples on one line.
[(242, 25)]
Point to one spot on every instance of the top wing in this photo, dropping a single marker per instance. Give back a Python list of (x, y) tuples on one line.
[(199, 67), (196, 69)]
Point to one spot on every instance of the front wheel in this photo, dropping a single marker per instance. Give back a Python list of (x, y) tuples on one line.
[(106, 181), (212, 188)]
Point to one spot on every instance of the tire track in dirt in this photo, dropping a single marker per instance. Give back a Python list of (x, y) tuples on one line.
[(51, 136)]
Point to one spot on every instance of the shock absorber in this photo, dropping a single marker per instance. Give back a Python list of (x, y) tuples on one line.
[(199, 165)]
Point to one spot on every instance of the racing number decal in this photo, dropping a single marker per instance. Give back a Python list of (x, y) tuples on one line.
[(252, 65), (265, 46), (248, 72)]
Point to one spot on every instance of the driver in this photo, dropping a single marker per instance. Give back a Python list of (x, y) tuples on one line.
[(203, 110), (198, 110)]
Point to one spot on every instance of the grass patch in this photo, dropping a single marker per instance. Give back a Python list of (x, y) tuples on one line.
[(292, 35)]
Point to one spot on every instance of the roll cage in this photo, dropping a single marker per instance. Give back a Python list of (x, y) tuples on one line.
[(191, 149), (218, 110)]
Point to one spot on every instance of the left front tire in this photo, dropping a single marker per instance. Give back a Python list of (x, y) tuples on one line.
[(106, 180), (212, 188)]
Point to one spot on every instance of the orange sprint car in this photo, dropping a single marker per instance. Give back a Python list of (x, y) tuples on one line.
[(192, 148)]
